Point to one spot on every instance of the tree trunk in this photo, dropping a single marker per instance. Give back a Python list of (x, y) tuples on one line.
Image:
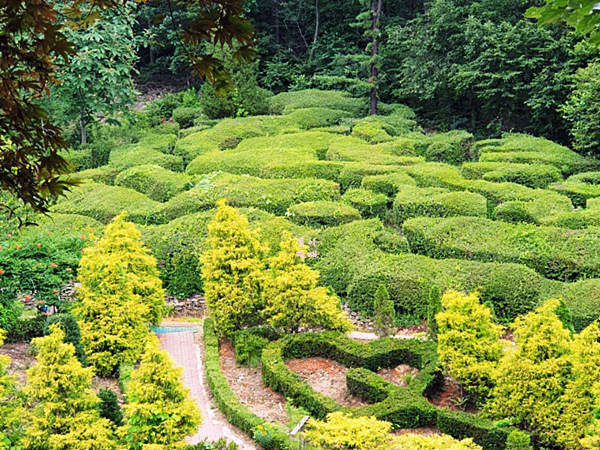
[(82, 118), (316, 35), (376, 6), (276, 19), (150, 45)]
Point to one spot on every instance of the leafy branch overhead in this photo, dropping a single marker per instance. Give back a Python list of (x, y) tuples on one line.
[(583, 15), (34, 42)]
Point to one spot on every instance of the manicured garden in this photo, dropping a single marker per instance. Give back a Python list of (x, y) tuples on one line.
[(491, 246)]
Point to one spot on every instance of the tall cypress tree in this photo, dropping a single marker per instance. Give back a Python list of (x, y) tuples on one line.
[(384, 312), (232, 271), (433, 308)]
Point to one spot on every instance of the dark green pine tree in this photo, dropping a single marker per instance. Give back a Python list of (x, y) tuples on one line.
[(69, 325), (384, 312), (109, 407), (433, 308)]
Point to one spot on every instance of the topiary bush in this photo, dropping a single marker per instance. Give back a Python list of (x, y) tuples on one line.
[(322, 213), (569, 256), (352, 174), (368, 203), (185, 116), (533, 176), (109, 406), (314, 98), (388, 184), (103, 202), (157, 183), (123, 159), (573, 220), (578, 192)]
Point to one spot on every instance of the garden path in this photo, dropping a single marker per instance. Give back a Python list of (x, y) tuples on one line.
[(185, 350)]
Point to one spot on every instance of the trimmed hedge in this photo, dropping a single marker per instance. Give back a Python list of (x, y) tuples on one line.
[(543, 204), (103, 202), (388, 184), (322, 213), (126, 157), (586, 177), (513, 289), (533, 176), (314, 98), (102, 174), (582, 298), (274, 196), (578, 192), (272, 163), (574, 220), (555, 253), (593, 203), (353, 174), (368, 203), (451, 148), (400, 147), (307, 118), (236, 413), (350, 148), (403, 407), (157, 183), (435, 202)]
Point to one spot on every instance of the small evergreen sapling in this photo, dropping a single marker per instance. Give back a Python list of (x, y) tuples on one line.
[(109, 406), (384, 312), (433, 308), (160, 413), (518, 440), (65, 408), (72, 334), (564, 314)]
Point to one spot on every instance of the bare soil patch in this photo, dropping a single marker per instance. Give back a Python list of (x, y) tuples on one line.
[(326, 377), (451, 397), (20, 360), (110, 383), (248, 387), (398, 375)]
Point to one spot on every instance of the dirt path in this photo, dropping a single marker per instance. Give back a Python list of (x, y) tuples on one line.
[(184, 348)]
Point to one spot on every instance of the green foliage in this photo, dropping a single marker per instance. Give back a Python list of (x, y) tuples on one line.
[(533, 176), (576, 220), (11, 410), (126, 157), (434, 442), (571, 255), (120, 294), (103, 203), (185, 116), (291, 296), (66, 413), (231, 271), (387, 184), (578, 192), (244, 191), (351, 148), (248, 348), (353, 174), (412, 201), (159, 409), (433, 308), (564, 314), (236, 413), (289, 101), (342, 431), (69, 326), (469, 345), (109, 406), (533, 379), (322, 213), (157, 183), (383, 312), (368, 203), (518, 440)]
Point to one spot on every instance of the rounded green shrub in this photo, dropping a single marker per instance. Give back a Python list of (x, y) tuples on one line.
[(185, 116), (314, 98), (388, 184), (157, 183), (586, 177), (322, 213), (368, 203), (400, 147), (574, 220), (533, 176)]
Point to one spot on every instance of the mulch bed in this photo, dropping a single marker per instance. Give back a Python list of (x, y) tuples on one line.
[(248, 387), (326, 377), (398, 374), (20, 360)]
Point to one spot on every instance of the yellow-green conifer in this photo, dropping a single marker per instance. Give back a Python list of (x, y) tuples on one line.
[(469, 345), (232, 270), (532, 378), (10, 407), (160, 412), (292, 298), (113, 320), (345, 432), (64, 409), (122, 241), (435, 442)]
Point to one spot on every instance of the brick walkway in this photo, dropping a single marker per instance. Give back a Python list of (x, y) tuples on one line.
[(186, 353)]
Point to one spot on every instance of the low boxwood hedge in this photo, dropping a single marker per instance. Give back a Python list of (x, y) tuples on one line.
[(578, 192), (513, 289), (368, 203), (126, 157), (103, 202), (543, 204), (274, 196), (315, 98), (403, 407), (581, 297), (555, 253), (435, 202), (322, 213), (236, 413), (353, 174), (154, 181), (576, 220), (350, 148), (388, 184), (533, 176)]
